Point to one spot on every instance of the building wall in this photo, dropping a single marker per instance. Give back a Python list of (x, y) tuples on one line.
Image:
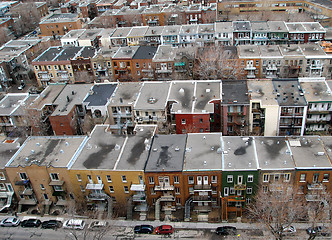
[(64, 124), (192, 123), (59, 28)]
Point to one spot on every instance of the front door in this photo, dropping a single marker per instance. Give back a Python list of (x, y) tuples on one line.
[(206, 180), (199, 180)]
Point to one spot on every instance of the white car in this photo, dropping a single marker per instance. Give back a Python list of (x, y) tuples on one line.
[(76, 224), (97, 225), (10, 222), (290, 229)]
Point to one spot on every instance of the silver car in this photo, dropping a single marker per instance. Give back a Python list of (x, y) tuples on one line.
[(10, 222)]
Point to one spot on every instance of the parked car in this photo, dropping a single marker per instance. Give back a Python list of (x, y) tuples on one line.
[(290, 229), (77, 224), (164, 229), (143, 229), (10, 222), (31, 223), (96, 225), (51, 224), (22, 85), (319, 231), (226, 230)]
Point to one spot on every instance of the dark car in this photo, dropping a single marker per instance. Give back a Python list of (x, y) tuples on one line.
[(143, 229), (164, 229), (51, 224), (319, 231), (31, 223), (226, 230)]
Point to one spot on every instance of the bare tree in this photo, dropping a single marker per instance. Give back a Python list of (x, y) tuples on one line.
[(217, 62), (277, 208), (4, 32), (28, 18), (133, 19)]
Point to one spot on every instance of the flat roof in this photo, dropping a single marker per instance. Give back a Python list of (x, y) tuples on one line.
[(273, 153), (167, 153), (138, 31), (308, 153), (235, 92), (22, 108), (154, 31), (313, 27), (126, 93), (293, 50), (206, 91), (153, 96), (61, 17), (136, 150), (223, 27), (312, 50), (126, 52), (203, 152), (248, 51), (262, 90), (316, 91), (260, 27), (56, 151), (67, 54), (182, 93), (100, 94), (188, 29), (145, 52), (71, 95), (90, 34), (7, 151), (121, 32), (327, 143), (48, 96), (165, 53), (48, 55), (206, 28), (101, 151), (75, 33), (171, 30), (277, 26), (269, 51), (238, 153), (295, 27), (240, 26), (11, 102), (288, 92)]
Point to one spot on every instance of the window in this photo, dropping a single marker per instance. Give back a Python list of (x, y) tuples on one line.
[(2, 187), (108, 177), (178, 201), (249, 190), (54, 176), (89, 178), (231, 190), (315, 178), (151, 180), (286, 177), (265, 189), (248, 200), (302, 177), (82, 188), (183, 121), (138, 73), (57, 188), (99, 179), (326, 177), (276, 177), (124, 179), (79, 178), (214, 179), (176, 180), (226, 191), (2, 176), (250, 178), (266, 178), (137, 65), (152, 191), (23, 176), (191, 180), (126, 190), (177, 190), (229, 178), (111, 189), (42, 187), (45, 196), (239, 179)]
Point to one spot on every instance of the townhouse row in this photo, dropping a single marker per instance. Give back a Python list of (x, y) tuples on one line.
[(198, 175), (83, 64), (266, 107)]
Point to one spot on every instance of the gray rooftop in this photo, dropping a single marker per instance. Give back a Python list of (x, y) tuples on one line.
[(67, 54), (262, 90), (188, 29), (327, 142), (277, 26), (167, 153), (126, 52), (145, 52), (126, 94), (47, 151), (206, 28), (259, 27), (203, 152), (313, 27), (22, 110), (312, 50), (154, 31), (48, 96), (182, 93), (100, 94), (293, 50), (11, 102), (121, 32), (138, 31), (206, 92), (308, 153), (288, 92), (238, 154), (71, 95), (48, 55), (90, 34), (61, 17), (171, 30), (241, 26), (273, 153), (136, 150), (153, 96), (248, 51), (164, 53), (101, 151), (221, 27), (7, 150), (269, 51), (316, 91), (235, 92), (74, 33)]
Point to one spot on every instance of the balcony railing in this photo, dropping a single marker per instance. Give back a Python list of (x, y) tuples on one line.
[(163, 187), (203, 187), (139, 198), (240, 187), (202, 208), (167, 198), (168, 208), (249, 67), (97, 196), (315, 186), (201, 199)]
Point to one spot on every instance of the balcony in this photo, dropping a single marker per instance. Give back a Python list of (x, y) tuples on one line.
[(315, 186), (120, 114), (164, 71), (141, 208), (201, 187), (201, 199), (316, 66), (137, 187), (61, 203), (240, 187), (168, 208), (251, 76), (56, 183), (27, 202), (139, 198), (167, 198), (202, 209), (92, 186), (164, 187), (271, 67), (147, 70), (22, 182), (26, 192), (97, 196)]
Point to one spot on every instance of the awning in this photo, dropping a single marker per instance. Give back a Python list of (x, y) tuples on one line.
[(177, 64), (5, 194), (58, 193), (91, 186), (137, 187)]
